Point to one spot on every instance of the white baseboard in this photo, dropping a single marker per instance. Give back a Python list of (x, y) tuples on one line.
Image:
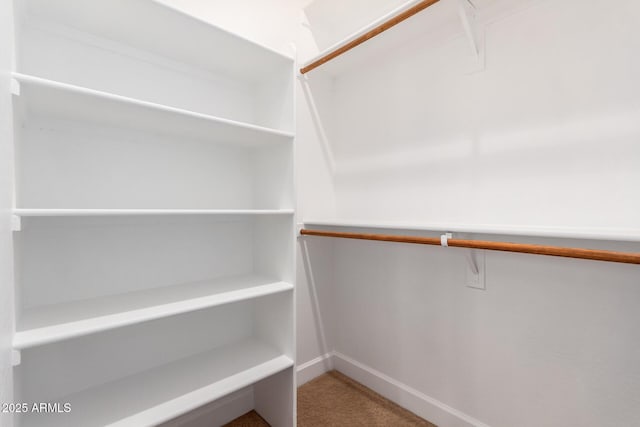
[(314, 368), (419, 403)]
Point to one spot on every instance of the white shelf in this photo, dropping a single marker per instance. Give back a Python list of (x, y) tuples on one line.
[(154, 212), (162, 393), (58, 322), (630, 235), (51, 98), (168, 32)]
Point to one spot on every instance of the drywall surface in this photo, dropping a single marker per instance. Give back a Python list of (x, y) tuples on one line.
[(543, 130), (314, 299), (6, 197), (550, 342)]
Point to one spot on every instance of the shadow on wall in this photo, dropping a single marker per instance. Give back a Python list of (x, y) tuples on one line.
[(319, 125), (579, 139), (317, 262)]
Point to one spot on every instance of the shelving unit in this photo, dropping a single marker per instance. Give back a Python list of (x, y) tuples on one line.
[(154, 204)]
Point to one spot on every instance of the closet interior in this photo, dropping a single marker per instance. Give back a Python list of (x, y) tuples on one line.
[(420, 213)]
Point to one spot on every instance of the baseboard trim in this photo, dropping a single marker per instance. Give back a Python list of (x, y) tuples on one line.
[(314, 368), (419, 403), (415, 401)]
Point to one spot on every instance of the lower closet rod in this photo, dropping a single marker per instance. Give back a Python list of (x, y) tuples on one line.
[(593, 254)]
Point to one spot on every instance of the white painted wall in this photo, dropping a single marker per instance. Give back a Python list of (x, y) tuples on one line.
[(551, 342), (545, 135), (6, 194), (549, 128)]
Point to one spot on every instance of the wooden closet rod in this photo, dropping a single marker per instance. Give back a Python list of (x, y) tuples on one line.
[(593, 254), (369, 34)]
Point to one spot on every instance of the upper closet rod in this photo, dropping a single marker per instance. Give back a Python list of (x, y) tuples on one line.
[(593, 254), (369, 34)]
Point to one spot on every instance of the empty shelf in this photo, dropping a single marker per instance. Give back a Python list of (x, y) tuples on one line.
[(137, 212), (160, 394), (58, 322), (47, 97), (613, 234)]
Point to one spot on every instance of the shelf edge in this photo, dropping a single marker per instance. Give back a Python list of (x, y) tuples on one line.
[(29, 79), (60, 332), (141, 212), (626, 235), (192, 400)]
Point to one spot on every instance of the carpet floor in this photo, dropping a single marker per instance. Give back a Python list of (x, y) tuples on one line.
[(335, 400), (250, 419)]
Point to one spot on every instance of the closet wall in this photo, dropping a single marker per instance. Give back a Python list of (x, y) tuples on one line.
[(548, 128), (544, 134)]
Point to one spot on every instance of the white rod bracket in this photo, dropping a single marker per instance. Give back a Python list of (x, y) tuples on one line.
[(16, 223), (475, 34), (304, 20), (299, 226), (444, 239), (475, 261), (15, 87), (16, 357), (476, 270)]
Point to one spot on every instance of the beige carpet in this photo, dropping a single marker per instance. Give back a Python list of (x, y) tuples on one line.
[(335, 400), (250, 419)]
